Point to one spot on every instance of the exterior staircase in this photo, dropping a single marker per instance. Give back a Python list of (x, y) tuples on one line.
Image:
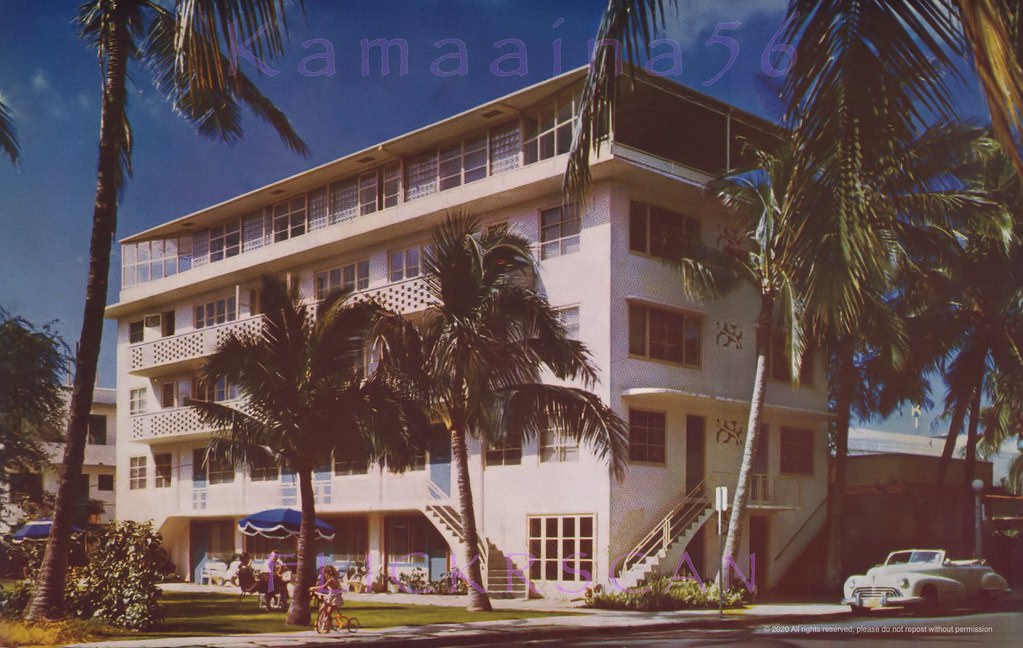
[(504, 578), (667, 541)]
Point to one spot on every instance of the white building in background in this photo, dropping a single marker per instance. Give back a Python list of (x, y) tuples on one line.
[(679, 370), (95, 493)]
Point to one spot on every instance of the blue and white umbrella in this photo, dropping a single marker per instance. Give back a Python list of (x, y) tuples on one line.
[(280, 523), (36, 531)]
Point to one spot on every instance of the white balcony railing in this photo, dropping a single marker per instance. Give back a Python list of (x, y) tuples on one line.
[(194, 345), (765, 490), (170, 424)]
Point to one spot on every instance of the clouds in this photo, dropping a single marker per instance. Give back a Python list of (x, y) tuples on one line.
[(39, 82), (694, 19)]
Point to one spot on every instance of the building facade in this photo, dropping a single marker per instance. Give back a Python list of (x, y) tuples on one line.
[(95, 493), (678, 369)]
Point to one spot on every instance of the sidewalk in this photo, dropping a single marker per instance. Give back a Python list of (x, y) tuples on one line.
[(585, 622)]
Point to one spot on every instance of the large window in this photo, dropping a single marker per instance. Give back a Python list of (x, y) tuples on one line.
[(561, 547), (646, 436), (463, 162), (661, 334), (548, 132), (288, 219), (225, 241), (558, 446), (216, 312), (354, 276), (351, 465), (796, 451), (136, 332), (405, 264), (137, 472), (508, 453), (105, 482), (156, 259), (137, 401), (505, 145), (559, 232), (162, 470), (659, 232), (216, 469), (263, 468), (97, 429)]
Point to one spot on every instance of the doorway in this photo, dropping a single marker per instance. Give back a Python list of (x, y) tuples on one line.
[(759, 534), (696, 428)]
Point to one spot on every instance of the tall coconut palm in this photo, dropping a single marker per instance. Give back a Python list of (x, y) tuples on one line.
[(308, 396), (8, 138), (184, 50), (485, 339)]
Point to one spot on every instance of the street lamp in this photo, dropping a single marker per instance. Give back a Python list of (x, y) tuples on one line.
[(978, 488)]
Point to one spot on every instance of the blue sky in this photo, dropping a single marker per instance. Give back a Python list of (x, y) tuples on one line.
[(51, 80)]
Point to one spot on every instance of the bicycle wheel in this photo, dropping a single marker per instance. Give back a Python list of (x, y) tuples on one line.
[(323, 621), (352, 624), (337, 620)]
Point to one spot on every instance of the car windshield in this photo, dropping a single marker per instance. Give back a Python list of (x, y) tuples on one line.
[(906, 557)]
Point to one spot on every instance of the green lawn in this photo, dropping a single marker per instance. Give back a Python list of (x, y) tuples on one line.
[(210, 614)]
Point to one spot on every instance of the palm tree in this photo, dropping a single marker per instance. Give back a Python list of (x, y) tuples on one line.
[(307, 396), (8, 140), (768, 223), (183, 48), (486, 337)]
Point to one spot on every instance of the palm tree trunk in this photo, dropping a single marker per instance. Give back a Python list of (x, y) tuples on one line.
[(969, 466), (955, 427), (478, 599), (48, 597), (298, 613), (741, 497), (836, 512)]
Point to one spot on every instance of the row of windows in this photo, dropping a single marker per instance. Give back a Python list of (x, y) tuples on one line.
[(647, 443)]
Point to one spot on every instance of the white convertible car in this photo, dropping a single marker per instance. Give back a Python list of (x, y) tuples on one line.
[(926, 579)]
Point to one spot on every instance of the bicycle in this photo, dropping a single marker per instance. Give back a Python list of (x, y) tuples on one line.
[(330, 616)]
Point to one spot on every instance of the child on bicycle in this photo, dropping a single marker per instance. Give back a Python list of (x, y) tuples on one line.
[(328, 588)]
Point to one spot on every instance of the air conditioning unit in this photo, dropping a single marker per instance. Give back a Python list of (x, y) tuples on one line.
[(152, 321)]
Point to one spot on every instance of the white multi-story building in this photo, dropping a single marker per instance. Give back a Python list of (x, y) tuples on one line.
[(678, 369), (95, 492)]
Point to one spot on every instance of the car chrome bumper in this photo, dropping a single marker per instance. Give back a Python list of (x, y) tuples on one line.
[(882, 601)]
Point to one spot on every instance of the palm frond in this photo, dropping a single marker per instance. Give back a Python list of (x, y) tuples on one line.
[(8, 135)]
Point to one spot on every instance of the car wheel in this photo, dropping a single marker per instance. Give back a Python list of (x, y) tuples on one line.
[(987, 600), (859, 610)]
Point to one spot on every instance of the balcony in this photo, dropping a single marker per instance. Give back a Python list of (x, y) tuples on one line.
[(766, 492), (171, 425), (403, 297), (187, 349)]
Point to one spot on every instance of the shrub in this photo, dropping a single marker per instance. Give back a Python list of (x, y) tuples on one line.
[(663, 593), (14, 600)]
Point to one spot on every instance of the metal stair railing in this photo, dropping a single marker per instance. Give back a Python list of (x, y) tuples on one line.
[(449, 516), (669, 528)]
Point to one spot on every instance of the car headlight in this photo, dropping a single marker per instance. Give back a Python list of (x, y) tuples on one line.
[(903, 583)]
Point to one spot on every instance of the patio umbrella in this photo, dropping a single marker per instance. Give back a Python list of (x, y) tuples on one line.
[(36, 530), (280, 523)]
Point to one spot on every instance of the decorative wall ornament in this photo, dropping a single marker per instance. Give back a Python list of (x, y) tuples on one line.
[(729, 335), (729, 431)]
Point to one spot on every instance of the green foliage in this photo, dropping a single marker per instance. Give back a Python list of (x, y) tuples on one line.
[(13, 600), (19, 560), (664, 593)]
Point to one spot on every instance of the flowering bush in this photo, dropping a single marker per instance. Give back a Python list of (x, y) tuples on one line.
[(663, 593)]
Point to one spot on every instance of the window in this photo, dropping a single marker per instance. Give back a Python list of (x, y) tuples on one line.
[(318, 209), (137, 401), (559, 232), (156, 259), (508, 453), (162, 470), (463, 162), (136, 332), (219, 470), (255, 233), (505, 144), (167, 323), (105, 483), (421, 175), (136, 473), (354, 276), (646, 436), (344, 201), (368, 193), (548, 132), (659, 232), (215, 391), (569, 317), (417, 461), (780, 364), (661, 334), (168, 394), (391, 180), (557, 446), (352, 465), (561, 547), (288, 219), (216, 312), (97, 429), (796, 451), (263, 468), (404, 264), (225, 241)]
